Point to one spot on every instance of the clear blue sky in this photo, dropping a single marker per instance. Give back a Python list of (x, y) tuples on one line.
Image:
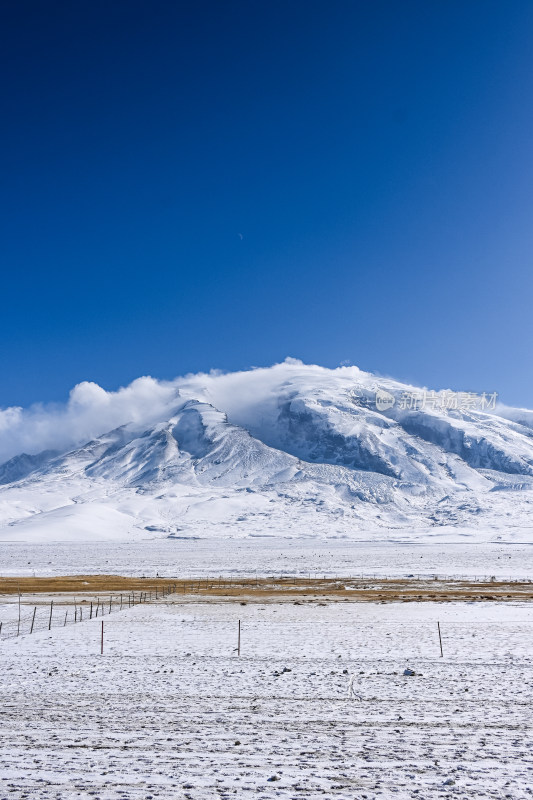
[(375, 157)]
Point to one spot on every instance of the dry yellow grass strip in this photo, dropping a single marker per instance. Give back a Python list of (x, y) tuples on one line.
[(80, 583), (291, 589)]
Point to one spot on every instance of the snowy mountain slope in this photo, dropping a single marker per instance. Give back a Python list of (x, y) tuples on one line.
[(197, 445), (290, 450), (20, 466)]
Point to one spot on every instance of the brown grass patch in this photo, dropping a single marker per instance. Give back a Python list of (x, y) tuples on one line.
[(288, 589)]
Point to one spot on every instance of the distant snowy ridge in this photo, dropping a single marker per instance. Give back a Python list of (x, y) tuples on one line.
[(293, 449)]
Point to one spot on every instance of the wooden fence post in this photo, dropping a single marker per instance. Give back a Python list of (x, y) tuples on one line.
[(102, 640), (51, 609), (440, 639), (33, 619)]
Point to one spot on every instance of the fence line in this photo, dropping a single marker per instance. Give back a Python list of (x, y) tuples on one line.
[(50, 616), (224, 581)]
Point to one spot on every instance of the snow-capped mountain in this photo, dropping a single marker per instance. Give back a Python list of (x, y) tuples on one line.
[(293, 450)]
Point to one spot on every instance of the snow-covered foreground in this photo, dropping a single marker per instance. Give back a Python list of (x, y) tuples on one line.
[(170, 710)]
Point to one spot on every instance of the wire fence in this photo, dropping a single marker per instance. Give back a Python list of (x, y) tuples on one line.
[(60, 614), (245, 579)]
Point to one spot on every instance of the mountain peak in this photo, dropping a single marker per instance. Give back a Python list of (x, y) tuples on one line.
[(296, 448)]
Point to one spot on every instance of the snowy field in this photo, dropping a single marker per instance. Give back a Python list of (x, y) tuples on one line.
[(270, 556), (171, 711)]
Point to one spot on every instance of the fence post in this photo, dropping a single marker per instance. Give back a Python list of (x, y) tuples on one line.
[(32, 619), (66, 614), (440, 639), (51, 609), (18, 626), (102, 640), (239, 640), (91, 614)]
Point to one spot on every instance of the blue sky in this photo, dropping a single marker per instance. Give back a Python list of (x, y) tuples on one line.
[(188, 186)]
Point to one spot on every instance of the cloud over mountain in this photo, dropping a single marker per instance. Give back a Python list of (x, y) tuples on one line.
[(292, 449)]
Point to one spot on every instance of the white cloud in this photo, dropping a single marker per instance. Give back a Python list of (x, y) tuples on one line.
[(250, 398), (89, 412)]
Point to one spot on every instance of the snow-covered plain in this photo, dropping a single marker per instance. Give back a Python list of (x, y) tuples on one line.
[(292, 450), (437, 554), (171, 711)]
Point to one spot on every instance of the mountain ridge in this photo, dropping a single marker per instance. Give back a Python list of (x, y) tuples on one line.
[(295, 448)]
